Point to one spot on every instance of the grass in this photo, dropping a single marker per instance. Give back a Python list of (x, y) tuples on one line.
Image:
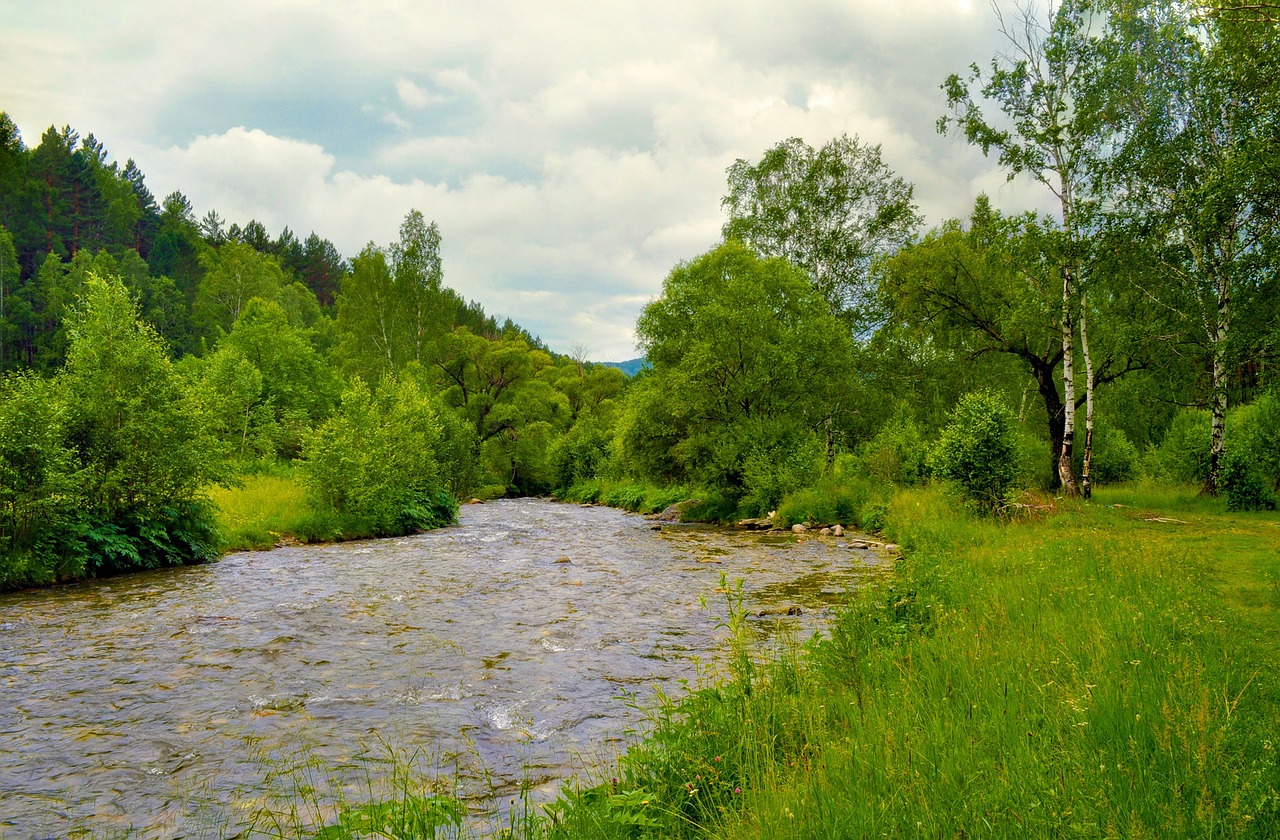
[(269, 507), (262, 511), (1099, 671)]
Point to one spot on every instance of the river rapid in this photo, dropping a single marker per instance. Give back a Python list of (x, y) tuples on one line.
[(166, 704)]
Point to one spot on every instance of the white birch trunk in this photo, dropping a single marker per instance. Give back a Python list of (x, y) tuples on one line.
[(1086, 483), (1066, 470)]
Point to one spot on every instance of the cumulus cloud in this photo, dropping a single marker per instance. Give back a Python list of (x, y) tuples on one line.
[(572, 154)]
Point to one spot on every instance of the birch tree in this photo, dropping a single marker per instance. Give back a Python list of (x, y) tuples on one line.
[(1043, 126), (1196, 168)]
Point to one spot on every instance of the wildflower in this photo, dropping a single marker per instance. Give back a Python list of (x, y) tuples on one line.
[(737, 790)]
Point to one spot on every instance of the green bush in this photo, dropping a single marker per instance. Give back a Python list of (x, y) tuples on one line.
[(873, 516), (374, 461), (1183, 453), (584, 492), (1242, 481), (625, 496), (978, 450), (897, 453), (1253, 433), (714, 505), (783, 460), (829, 502)]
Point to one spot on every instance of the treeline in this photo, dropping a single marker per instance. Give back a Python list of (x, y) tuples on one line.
[(827, 349), (149, 356)]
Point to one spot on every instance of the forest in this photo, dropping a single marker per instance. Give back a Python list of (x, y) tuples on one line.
[(829, 350)]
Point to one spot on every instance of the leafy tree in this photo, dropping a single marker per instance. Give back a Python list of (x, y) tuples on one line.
[(746, 356), (1045, 91), (143, 460), (392, 308), (234, 274), (991, 290), (1197, 168), (831, 211), (297, 387)]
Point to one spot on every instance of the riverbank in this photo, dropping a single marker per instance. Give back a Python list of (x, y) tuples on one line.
[(1100, 670)]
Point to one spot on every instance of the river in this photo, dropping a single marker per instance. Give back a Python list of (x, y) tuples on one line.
[(163, 704)]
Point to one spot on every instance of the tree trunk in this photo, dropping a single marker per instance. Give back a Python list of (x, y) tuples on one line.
[(1217, 436), (1086, 484), (1056, 412), (1066, 469)]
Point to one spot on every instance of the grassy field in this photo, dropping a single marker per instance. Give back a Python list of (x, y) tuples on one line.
[(1103, 670)]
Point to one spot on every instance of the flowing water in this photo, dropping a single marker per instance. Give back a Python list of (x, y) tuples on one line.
[(502, 648)]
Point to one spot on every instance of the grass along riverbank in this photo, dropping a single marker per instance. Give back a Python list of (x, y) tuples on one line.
[(1097, 670), (1105, 670)]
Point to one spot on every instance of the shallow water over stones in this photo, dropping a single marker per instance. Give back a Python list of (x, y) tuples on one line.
[(147, 702)]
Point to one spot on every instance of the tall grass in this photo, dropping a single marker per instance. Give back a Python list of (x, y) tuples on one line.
[(1079, 675), (268, 507)]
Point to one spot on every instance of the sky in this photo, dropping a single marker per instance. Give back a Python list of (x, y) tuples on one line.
[(572, 153)]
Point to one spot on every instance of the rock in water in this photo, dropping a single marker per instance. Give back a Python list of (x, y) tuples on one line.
[(674, 513)]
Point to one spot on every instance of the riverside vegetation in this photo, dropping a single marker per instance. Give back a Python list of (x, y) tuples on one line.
[(175, 386)]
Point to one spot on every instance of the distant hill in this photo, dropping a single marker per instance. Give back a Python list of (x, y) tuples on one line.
[(631, 367)]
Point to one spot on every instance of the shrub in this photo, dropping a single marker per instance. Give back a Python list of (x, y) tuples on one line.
[(897, 453), (374, 461), (829, 502), (978, 450), (873, 516), (784, 460), (1115, 459), (626, 496), (1183, 453), (1244, 485)]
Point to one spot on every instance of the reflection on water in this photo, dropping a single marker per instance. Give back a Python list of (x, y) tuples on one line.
[(131, 702)]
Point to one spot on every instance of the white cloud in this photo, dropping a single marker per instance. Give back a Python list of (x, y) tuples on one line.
[(571, 152)]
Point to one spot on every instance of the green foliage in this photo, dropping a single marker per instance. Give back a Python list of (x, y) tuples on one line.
[(102, 469), (1244, 485), (234, 274), (1183, 453), (1115, 459), (746, 355), (830, 211), (374, 461), (897, 453), (780, 463), (625, 496), (580, 454), (977, 450), (829, 502), (38, 490)]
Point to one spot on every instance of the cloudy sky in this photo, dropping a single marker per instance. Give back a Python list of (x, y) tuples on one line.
[(571, 152)]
